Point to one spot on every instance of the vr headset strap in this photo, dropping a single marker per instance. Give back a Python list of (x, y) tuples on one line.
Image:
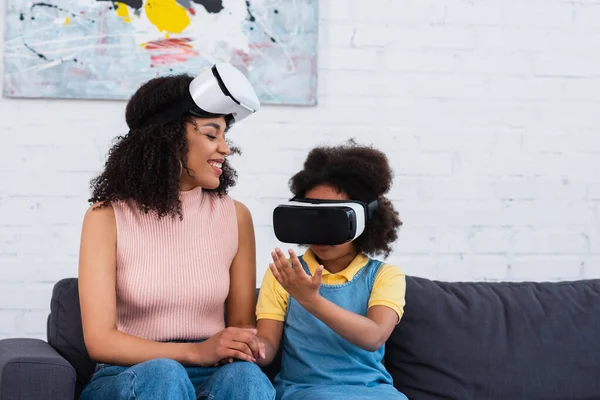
[(173, 112), (370, 207), (178, 109)]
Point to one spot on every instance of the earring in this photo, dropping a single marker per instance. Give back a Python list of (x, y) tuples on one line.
[(180, 168)]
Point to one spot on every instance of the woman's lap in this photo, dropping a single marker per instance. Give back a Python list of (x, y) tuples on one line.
[(167, 379)]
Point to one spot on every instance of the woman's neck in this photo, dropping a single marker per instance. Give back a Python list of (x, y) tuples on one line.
[(186, 186)]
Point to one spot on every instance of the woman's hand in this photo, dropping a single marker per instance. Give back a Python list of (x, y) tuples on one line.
[(295, 280), (262, 354), (231, 343)]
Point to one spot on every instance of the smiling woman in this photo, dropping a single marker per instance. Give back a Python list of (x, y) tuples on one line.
[(166, 253), (147, 164)]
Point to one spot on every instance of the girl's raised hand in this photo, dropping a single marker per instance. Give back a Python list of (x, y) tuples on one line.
[(295, 281)]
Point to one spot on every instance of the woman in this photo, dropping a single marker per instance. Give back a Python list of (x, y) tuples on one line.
[(166, 254), (335, 306)]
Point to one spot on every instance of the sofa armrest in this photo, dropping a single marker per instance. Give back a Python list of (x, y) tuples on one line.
[(32, 369)]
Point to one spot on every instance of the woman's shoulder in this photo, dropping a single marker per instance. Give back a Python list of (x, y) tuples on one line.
[(232, 207), (100, 211), (99, 220), (240, 207), (243, 215), (115, 211)]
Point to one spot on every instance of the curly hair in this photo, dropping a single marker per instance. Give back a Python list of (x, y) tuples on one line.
[(145, 165), (362, 173)]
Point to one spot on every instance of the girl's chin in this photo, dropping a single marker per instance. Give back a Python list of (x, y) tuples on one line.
[(320, 247)]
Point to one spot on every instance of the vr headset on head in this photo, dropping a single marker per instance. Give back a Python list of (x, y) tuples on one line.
[(219, 91), (328, 222)]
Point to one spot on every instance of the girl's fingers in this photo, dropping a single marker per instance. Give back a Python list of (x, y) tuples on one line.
[(282, 264), (282, 281), (296, 263)]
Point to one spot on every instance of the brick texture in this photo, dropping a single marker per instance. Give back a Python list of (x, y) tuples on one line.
[(487, 110)]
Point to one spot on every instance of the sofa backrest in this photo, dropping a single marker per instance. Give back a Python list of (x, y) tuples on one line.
[(483, 340), (65, 332), (456, 340)]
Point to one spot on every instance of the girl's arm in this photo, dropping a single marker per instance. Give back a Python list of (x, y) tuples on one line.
[(368, 333), (269, 333), (97, 294)]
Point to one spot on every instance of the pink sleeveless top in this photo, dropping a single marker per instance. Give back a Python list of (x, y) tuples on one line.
[(172, 274)]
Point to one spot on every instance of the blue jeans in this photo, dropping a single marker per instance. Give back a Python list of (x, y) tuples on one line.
[(166, 379)]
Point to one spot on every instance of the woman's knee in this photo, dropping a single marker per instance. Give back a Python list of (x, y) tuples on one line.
[(160, 367), (242, 369), (246, 374), (246, 381), (162, 377)]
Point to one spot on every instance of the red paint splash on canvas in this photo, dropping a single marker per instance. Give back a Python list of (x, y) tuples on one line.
[(170, 51)]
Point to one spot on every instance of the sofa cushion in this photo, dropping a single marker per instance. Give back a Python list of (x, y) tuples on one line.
[(484, 340), (65, 332)]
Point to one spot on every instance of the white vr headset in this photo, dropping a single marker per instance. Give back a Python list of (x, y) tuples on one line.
[(329, 222), (219, 91)]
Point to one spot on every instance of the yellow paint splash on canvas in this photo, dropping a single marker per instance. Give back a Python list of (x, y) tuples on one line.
[(123, 11), (167, 15)]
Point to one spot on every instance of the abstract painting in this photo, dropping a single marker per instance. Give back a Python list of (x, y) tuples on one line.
[(93, 49)]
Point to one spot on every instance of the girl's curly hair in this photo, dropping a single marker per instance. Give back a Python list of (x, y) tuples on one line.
[(362, 173), (145, 165)]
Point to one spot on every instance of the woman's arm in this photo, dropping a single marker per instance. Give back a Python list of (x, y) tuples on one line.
[(97, 294), (241, 302), (368, 332)]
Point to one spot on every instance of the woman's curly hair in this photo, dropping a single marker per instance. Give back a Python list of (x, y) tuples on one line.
[(362, 173), (145, 165)]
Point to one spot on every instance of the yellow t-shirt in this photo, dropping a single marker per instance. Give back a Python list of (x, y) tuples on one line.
[(389, 288)]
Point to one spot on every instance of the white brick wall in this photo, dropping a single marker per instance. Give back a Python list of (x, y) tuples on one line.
[(488, 111)]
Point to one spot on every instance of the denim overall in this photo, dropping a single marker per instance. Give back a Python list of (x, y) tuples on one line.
[(317, 363)]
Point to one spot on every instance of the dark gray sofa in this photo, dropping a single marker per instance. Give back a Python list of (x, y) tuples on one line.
[(464, 341)]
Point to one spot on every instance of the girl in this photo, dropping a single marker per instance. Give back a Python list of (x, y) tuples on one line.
[(336, 307), (165, 254)]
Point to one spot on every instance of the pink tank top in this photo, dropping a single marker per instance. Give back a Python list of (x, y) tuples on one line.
[(172, 274)]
